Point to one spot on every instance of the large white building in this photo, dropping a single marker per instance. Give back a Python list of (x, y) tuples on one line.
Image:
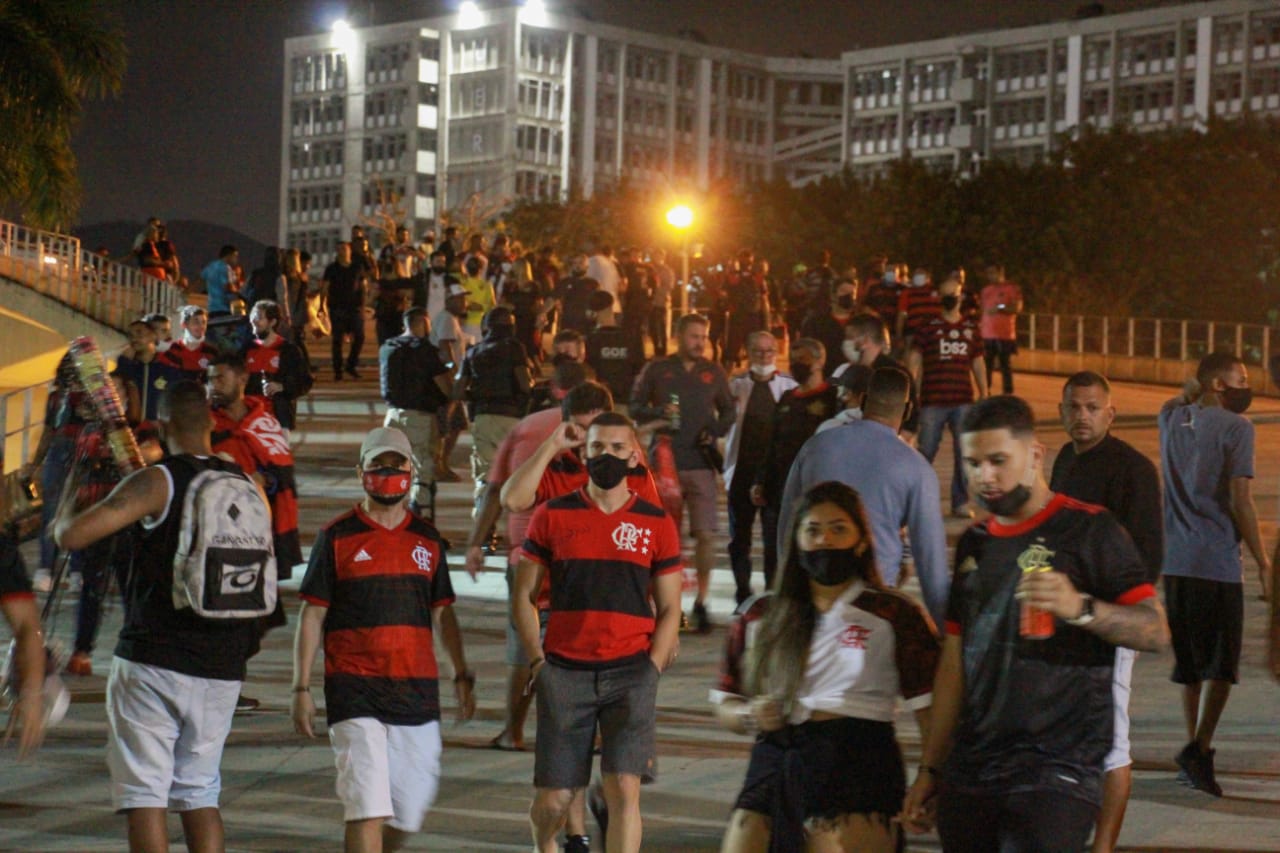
[(487, 106)]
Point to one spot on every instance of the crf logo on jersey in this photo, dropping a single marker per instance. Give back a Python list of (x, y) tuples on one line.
[(421, 558), (628, 537), (855, 637)]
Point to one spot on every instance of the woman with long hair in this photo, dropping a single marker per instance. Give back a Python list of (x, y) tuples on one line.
[(814, 669)]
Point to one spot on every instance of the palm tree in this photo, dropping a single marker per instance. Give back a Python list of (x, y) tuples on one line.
[(53, 54)]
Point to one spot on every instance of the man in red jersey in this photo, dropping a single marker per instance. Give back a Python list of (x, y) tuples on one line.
[(604, 548), (191, 353), (377, 589)]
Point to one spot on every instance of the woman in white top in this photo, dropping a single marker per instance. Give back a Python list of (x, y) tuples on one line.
[(815, 670)]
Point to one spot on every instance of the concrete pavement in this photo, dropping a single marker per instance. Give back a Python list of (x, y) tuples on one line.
[(278, 789)]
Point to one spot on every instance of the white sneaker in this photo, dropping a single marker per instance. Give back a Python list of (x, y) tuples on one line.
[(42, 580), (75, 581)]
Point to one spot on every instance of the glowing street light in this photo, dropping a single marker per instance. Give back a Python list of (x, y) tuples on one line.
[(680, 218), (469, 16)]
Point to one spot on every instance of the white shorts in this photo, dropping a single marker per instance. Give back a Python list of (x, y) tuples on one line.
[(386, 771), (1121, 681), (165, 736)]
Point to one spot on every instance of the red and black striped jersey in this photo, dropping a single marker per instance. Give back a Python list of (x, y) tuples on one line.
[(947, 350), (193, 362), (380, 587), (601, 565)]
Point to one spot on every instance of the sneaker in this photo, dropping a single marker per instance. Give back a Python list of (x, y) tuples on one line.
[(701, 621), (80, 664), (577, 844), (351, 371), (246, 703), (599, 810), (337, 376), (1198, 765), (42, 580)]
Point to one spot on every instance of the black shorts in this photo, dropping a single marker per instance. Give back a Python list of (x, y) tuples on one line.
[(823, 770), (1020, 822), (1206, 621), (993, 347)]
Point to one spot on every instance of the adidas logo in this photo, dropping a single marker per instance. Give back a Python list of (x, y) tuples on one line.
[(362, 556)]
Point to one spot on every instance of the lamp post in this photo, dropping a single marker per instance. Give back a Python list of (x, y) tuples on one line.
[(680, 218)]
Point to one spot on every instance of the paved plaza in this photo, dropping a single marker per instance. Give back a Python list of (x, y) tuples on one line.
[(278, 788)]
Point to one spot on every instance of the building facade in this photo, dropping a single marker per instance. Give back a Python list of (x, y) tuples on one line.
[(407, 121)]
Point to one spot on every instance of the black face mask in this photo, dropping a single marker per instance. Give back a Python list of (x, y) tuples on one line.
[(950, 302), (845, 301), (1007, 504), (436, 269), (834, 566), (1236, 400), (607, 470), (800, 371)]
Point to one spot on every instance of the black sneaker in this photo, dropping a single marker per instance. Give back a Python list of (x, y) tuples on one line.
[(337, 376), (577, 844), (1198, 765), (599, 810), (351, 371), (701, 621), (244, 704)]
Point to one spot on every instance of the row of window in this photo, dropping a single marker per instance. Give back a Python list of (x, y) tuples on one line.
[(315, 204), (385, 63), (319, 72), (537, 185), (321, 243), (541, 99), (309, 160), (539, 144), (478, 96), (315, 116), (386, 152), (472, 52), (542, 52)]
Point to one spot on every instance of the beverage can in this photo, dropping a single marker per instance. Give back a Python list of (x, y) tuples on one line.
[(1035, 624)]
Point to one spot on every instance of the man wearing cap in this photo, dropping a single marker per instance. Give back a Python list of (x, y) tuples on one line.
[(495, 380), (377, 589)]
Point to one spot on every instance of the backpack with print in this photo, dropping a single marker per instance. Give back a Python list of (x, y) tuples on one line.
[(225, 565)]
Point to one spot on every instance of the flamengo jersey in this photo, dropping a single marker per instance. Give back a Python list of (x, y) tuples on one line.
[(947, 350), (871, 647), (381, 587), (1037, 714), (601, 565)]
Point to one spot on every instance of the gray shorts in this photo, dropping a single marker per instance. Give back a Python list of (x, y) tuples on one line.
[(622, 700), (700, 489)]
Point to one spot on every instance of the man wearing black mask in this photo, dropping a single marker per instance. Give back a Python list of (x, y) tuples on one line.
[(828, 327)]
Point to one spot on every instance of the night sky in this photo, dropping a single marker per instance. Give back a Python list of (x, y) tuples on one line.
[(195, 134)]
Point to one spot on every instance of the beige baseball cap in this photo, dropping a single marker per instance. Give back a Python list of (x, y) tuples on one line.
[(383, 439)]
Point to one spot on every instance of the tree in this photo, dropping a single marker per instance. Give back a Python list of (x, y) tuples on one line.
[(53, 55)]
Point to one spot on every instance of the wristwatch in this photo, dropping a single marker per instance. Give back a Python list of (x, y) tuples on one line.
[(1086, 612)]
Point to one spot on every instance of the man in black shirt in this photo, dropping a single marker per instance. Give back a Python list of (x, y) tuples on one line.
[(175, 676), (571, 296), (611, 350), (827, 326), (495, 379), (1101, 469), (415, 384), (344, 289), (1022, 721)]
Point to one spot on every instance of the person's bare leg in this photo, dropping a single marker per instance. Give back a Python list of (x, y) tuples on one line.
[(575, 822), (1116, 785), (202, 828), (547, 816), (748, 832), (1215, 700), (364, 836), (393, 839), (518, 702), (704, 558), (1191, 708), (147, 830), (622, 793)]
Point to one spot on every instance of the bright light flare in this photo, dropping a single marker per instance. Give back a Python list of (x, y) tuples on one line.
[(534, 12), (343, 36), (469, 16), (680, 216)]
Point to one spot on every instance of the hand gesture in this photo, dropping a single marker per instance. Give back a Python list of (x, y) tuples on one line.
[(28, 716), (303, 711), (464, 689), (568, 435), (921, 805)]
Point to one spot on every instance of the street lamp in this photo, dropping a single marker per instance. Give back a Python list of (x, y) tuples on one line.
[(343, 36), (680, 218)]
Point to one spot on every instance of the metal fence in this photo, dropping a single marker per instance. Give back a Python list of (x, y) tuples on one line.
[(1142, 349), (56, 265)]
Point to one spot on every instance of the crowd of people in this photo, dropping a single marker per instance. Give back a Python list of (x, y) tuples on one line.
[(1016, 661)]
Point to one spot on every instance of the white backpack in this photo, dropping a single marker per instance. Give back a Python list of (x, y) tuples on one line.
[(225, 565)]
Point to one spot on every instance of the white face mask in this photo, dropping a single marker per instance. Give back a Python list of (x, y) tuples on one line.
[(190, 340), (851, 352), (919, 279), (163, 346), (764, 371)]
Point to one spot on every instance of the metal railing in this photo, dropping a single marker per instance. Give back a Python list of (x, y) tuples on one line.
[(55, 265), (1142, 349)]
